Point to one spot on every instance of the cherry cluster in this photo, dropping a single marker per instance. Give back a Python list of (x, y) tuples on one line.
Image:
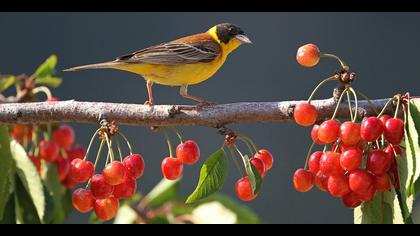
[(361, 160), (116, 181), (187, 153)]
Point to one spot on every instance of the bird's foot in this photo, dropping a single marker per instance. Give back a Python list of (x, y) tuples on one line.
[(204, 103), (149, 103)]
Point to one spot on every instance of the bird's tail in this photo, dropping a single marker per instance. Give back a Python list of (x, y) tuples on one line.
[(103, 65)]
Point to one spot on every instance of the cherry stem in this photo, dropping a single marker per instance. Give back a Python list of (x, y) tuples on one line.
[(356, 112), (385, 106), (342, 63), (119, 149), (249, 140), (337, 145), (398, 106), (251, 151), (126, 140), (368, 100), (176, 131), (109, 143), (168, 141), (309, 154), (319, 86), (338, 103), (43, 89), (349, 102), (90, 143), (236, 163), (98, 156)]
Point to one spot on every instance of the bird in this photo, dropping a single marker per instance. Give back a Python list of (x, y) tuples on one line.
[(182, 62)]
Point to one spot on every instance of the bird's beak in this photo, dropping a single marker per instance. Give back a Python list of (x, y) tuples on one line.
[(243, 39)]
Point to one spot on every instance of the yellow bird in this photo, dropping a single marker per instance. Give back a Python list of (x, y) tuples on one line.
[(182, 62)]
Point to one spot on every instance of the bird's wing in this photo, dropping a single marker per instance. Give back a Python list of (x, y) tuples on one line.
[(175, 53)]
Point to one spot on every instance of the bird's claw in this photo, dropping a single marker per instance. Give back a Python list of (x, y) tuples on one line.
[(149, 103), (204, 103)]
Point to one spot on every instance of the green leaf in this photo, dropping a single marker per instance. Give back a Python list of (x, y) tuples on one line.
[(49, 81), (250, 172), (55, 192), (405, 201), (6, 164), (126, 215), (6, 82), (47, 68), (213, 175), (163, 192), (26, 212), (375, 212), (9, 216), (30, 178), (413, 142)]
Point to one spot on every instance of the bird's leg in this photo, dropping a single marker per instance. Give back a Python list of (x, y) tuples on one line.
[(183, 91), (149, 85)]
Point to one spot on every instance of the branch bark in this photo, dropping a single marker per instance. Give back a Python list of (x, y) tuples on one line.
[(172, 115)]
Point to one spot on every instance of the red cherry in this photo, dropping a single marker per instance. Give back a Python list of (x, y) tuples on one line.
[(394, 130), (37, 163), (81, 171), (371, 129), (52, 99), (338, 185), (382, 183), (314, 135), (308, 55), (368, 195), (83, 200), (321, 181), (313, 162), (360, 181), (329, 164), (305, 114), (329, 131), (69, 183), (188, 152), (384, 118), (100, 188), (243, 189), (63, 168), (378, 162), (391, 148), (106, 209), (171, 168), (350, 133), (48, 150), (75, 152), (266, 157), (351, 200), (127, 189), (303, 180), (64, 136), (351, 159), (359, 146), (134, 165), (114, 173), (259, 164), (20, 132)]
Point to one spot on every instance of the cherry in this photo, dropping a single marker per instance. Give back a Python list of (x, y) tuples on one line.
[(360, 181), (106, 209), (69, 183), (134, 164), (378, 162), (382, 183), (81, 170), (313, 162), (37, 163), (394, 130), (351, 159), (368, 195), (350, 133), (391, 148), (64, 136), (329, 164), (359, 146), (188, 152), (305, 114), (20, 132), (63, 167), (321, 181), (52, 99), (314, 135), (171, 168), (100, 188), (243, 189), (384, 118), (48, 150), (127, 189), (266, 157), (114, 173), (338, 185), (371, 129), (329, 131), (308, 55), (303, 180), (351, 200), (83, 200), (259, 164), (75, 152)]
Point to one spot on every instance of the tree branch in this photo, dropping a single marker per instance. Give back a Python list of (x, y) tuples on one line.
[(171, 115)]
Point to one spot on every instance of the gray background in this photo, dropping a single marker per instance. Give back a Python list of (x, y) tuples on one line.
[(381, 47)]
